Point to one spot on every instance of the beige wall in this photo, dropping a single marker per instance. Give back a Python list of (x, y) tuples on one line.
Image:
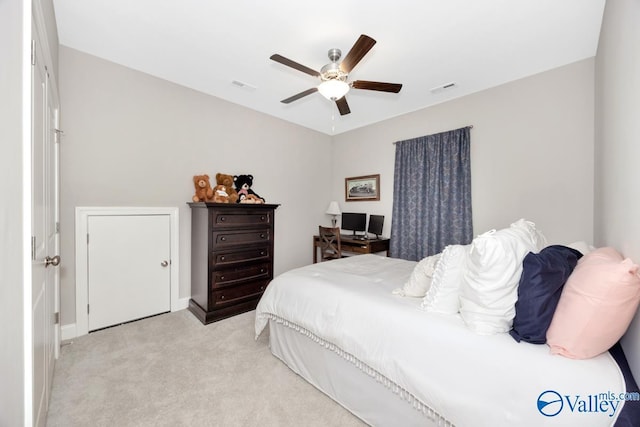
[(617, 142), (135, 140), (531, 152)]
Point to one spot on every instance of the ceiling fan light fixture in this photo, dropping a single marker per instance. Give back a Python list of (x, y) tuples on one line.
[(333, 89), (334, 76)]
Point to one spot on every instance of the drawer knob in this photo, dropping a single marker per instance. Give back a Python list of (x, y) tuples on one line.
[(224, 239), (222, 258), (223, 218), (262, 236), (262, 270), (221, 277), (262, 288), (262, 253), (221, 296), (262, 218)]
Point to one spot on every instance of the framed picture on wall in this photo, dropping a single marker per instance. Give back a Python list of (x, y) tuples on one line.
[(361, 188)]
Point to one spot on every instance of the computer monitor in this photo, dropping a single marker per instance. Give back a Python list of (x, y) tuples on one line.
[(375, 225), (354, 221)]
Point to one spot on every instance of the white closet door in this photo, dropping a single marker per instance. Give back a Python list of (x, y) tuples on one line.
[(128, 268)]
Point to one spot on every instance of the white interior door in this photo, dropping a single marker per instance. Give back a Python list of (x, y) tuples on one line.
[(44, 201), (52, 185), (128, 268)]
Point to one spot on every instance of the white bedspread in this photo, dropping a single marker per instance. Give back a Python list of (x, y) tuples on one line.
[(468, 379)]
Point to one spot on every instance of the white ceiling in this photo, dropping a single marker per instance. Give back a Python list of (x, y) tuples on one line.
[(207, 44)]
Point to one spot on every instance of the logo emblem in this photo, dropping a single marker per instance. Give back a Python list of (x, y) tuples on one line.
[(550, 403)]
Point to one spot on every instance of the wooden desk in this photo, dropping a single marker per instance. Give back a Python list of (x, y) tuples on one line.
[(349, 244)]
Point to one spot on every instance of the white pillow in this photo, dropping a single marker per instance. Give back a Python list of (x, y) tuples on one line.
[(490, 284), (420, 280), (536, 235), (442, 296), (582, 247)]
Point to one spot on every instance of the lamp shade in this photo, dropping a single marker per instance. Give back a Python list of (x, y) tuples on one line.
[(333, 89), (333, 209)]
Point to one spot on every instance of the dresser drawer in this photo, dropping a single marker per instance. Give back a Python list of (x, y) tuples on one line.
[(235, 294), (232, 276), (240, 217), (241, 237), (231, 257)]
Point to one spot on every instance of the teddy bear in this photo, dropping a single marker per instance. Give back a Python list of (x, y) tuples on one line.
[(243, 185), (251, 198), (220, 194), (204, 192), (227, 181)]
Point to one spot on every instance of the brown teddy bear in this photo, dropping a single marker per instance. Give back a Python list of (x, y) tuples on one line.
[(204, 192), (227, 181), (220, 194)]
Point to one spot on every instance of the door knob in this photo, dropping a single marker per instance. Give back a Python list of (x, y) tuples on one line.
[(52, 261), (164, 263)]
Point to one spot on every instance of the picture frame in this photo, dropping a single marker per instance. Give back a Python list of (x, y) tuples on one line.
[(362, 188)]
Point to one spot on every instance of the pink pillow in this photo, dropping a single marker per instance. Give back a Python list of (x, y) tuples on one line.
[(597, 305)]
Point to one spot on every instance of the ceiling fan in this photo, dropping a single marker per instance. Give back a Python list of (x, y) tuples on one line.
[(334, 85)]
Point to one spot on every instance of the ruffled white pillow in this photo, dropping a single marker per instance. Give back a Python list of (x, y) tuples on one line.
[(490, 284), (442, 296), (420, 280), (536, 236)]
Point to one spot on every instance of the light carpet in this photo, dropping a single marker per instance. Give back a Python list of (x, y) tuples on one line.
[(171, 370)]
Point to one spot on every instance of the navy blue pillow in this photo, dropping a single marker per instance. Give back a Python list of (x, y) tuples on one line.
[(543, 276)]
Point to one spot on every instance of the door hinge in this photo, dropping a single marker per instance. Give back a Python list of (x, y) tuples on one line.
[(33, 52), (87, 308), (57, 227), (57, 135), (33, 248), (56, 318), (87, 238)]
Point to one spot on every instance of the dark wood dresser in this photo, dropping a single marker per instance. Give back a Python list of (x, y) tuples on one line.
[(231, 257)]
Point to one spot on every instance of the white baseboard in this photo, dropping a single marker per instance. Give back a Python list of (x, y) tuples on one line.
[(182, 304), (68, 332)]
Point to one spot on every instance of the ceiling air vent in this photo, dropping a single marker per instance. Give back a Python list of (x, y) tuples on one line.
[(242, 84), (442, 88)]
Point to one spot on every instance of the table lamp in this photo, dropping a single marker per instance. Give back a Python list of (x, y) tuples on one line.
[(334, 210)]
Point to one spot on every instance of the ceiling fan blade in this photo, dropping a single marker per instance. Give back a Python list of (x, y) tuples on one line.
[(343, 106), (357, 52), (289, 63), (299, 95), (379, 86)]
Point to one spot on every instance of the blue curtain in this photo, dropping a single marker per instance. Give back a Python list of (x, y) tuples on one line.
[(431, 194)]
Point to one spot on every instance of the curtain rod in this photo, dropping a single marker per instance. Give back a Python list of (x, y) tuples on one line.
[(470, 127)]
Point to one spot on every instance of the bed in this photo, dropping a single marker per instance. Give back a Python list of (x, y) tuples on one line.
[(390, 362)]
